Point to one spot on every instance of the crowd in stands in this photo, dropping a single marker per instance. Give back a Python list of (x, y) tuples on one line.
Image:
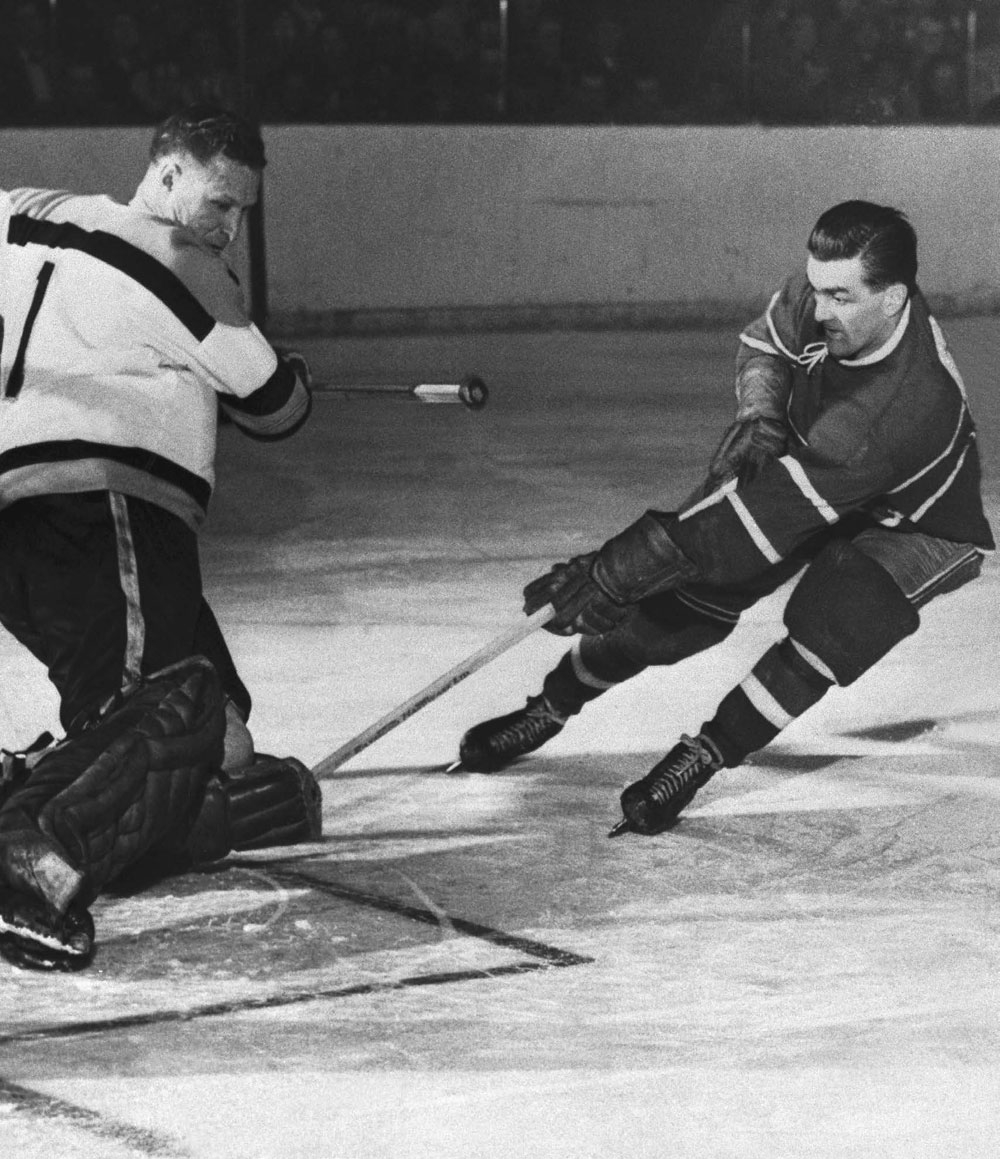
[(108, 62)]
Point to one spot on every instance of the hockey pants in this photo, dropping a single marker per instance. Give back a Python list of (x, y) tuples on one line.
[(856, 599)]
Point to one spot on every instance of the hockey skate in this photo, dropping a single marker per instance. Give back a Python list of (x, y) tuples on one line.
[(653, 804), (492, 745), (34, 937)]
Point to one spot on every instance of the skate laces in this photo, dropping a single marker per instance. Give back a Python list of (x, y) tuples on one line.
[(690, 768), (536, 721)]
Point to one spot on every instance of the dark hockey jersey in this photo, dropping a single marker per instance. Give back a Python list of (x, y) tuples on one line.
[(120, 335), (888, 435)]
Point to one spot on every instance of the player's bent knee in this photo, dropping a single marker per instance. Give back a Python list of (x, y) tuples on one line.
[(848, 611)]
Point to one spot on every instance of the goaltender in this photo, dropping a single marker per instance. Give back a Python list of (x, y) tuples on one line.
[(852, 460), (123, 329)]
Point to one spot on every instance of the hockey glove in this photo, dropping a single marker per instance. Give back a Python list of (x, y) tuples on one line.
[(745, 448), (296, 362), (580, 603), (593, 593)]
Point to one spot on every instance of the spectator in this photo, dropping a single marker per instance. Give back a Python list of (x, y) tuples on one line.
[(643, 102), (941, 90), (851, 39), (985, 80), (540, 77), (931, 30), (883, 95), (83, 100), (715, 102), (488, 97), (720, 62), (122, 76), (606, 54), (588, 102), (334, 75), (28, 68), (791, 74), (390, 56), (207, 73)]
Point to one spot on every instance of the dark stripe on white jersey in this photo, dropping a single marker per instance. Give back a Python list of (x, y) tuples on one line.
[(122, 256), (71, 450), (269, 398), (273, 411)]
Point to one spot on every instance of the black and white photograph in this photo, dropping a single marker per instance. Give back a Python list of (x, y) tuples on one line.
[(499, 609)]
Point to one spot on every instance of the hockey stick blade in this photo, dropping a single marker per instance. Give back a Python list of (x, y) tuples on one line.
[(496, 647)]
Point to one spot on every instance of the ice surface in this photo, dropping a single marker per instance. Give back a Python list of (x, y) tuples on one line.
[(805, 967)]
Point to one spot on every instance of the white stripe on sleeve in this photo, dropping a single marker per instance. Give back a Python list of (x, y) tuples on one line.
[(763, 544), (801, 480)]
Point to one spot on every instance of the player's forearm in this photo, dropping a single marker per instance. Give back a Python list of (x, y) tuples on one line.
[(763, 383), (279, 407)]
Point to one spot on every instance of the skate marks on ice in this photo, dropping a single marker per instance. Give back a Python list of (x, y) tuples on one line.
[(255, 935), (57, 1127), (882, 765)]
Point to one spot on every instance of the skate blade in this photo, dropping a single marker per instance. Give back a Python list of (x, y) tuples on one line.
[(623, 826), (454, 767)]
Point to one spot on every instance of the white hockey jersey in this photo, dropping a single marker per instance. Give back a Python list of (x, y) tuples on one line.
[(119, 335)]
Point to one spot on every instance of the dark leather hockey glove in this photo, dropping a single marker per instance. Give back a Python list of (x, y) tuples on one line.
[(580, 603), (745, 448), (298, 364), (593, 593)]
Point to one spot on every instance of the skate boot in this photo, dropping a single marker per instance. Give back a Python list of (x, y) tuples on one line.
[(34, 937), (653, 804), (490, 746)]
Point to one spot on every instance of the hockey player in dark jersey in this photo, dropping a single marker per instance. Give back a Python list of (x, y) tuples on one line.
[(852, 460), (123, 331)]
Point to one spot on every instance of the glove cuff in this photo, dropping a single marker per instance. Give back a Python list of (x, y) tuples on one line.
[(762, 390), (641, 561)]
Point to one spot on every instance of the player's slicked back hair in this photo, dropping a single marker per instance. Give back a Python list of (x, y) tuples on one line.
[(881, 236), (206, 131)]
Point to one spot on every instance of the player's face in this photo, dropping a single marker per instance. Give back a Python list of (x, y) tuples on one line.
[(210, 200), (856, 319)]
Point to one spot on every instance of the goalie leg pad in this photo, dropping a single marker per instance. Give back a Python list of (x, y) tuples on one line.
[(105, 796), (848, 611), (274, 801)]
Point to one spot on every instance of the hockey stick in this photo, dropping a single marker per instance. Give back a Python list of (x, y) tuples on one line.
[(470, 392), (496, 647)]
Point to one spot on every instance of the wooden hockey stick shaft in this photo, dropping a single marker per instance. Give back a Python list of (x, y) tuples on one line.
[(470, 392), (496, 647)]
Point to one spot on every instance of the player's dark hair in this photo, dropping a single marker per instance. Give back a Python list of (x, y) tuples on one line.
[(206, 131), (881, 236)]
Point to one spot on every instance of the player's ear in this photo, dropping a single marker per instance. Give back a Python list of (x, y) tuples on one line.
[(169, 171), (894, 299)]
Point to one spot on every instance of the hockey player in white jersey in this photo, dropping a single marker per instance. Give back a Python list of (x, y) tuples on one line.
[(123, 330), (852, 460)]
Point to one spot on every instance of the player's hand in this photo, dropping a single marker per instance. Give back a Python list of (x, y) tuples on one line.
[(745, 448), (580, 603)]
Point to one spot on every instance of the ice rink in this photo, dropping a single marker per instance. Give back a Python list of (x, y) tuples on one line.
[(466, 967)]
